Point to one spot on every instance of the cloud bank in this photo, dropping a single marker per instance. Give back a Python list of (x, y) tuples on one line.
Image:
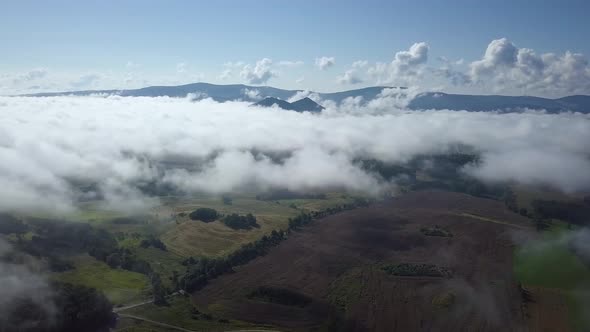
[(61, 150)]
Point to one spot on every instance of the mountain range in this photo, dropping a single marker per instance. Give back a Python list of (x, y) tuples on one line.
[(428, 100)]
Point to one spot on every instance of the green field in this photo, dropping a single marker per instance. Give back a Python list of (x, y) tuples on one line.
[(549, 263), (347, 288), (162, 262), (180, 312), (195, 238), (183, 238), (120, 286)]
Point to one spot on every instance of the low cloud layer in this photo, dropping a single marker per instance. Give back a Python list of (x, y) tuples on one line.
[(57, 151), (21, 281)]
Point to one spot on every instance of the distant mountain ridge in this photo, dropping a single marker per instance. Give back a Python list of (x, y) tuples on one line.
[(479, 103), (300, 105), (429, 100)]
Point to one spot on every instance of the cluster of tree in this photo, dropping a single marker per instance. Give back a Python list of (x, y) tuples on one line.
[(75, 308), (52, 238), (416, 270), (279, 194), (123, 258), (153, 241), (204, 214), (570, 211), (158, 290), (11, 225), (509, 199), (280, 296), (226, 200), (58, 264), (436, 231), (237, 221), (356, 203), (463, 184), (387, 171), (450, 164), (301, 220)]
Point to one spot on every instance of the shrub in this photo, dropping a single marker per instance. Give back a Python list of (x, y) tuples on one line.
[(236, 221), (204, 215)]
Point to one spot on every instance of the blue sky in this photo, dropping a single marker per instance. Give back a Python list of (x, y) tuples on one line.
[(67, 45)]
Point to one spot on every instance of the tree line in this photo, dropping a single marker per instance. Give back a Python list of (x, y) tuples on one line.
[(200, 270)]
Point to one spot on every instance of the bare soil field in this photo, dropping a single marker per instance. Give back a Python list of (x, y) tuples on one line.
[(548, 310), (337, 261)]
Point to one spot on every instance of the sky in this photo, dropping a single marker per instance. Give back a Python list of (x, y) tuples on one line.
[(504, 47)]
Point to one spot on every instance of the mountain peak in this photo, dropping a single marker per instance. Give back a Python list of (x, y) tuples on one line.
[(301, 105)]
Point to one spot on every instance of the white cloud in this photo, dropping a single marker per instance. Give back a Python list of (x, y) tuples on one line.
[(253, 94), (259, 73), (360, 64), (31, 75), (86, 81), (50, 146), (507, 68), (325, 62), (499, 53), (181, 67), (305, 94), (349, 77), (132, 65), (404, 69), (22, 281), (225, 74), (289, 63)]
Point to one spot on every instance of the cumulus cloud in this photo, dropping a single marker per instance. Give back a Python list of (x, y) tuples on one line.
[(253, 94), (405, 68), (31, 75), (305, 94), (225, 74), (181, 67), (58, 151), (350, 76), (510, 68), (85, 81), (325, 62), (448, 71), (360, 64), (259, 73), (289, 63)]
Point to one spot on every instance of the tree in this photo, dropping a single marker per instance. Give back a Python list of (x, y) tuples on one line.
[(236, 221), (11, 225), (114, 260), (204, 214), (158, 290), (75, 308)]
